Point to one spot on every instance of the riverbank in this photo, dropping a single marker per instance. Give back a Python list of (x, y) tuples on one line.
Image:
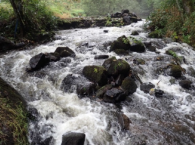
[(13, 119)]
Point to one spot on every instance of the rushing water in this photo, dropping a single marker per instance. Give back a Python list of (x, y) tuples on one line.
[(162, 121)]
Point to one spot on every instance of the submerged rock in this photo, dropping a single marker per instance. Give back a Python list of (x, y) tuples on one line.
[(39, 61), (101, 57), (186, 84), (96, 74), (158, 93), (124, 121), (73, 138), (146, 87), (65, 52), (129, 85)]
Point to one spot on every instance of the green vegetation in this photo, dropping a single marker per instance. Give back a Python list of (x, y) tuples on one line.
[(174, 19), (172, 53), (14, 120)]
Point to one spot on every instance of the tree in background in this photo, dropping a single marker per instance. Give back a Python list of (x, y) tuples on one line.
[(103, 7)]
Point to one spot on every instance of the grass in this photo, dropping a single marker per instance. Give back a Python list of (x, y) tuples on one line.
[(14, 122)]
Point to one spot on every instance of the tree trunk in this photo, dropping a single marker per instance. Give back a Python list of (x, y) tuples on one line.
[(17, 6)]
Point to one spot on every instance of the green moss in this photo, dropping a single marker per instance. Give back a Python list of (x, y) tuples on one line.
[(96, 74), (121, 52), (172, 53), (176, 71)]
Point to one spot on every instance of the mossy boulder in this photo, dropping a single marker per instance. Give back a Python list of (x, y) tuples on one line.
[(136, 45), (129, 85), (108, 62), (119, 67), (121, 43), (139, 61), (65, 52), (176, 71), (96, 74)]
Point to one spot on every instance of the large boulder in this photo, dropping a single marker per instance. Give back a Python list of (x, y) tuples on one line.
[(65, 52), (96, 74), (114, 95), (129, 85), (73, 138), (121, 43), (127, 19), (108, 62), (39, 61), (83, 86), (116, 15), (136, 45), (119, 67)]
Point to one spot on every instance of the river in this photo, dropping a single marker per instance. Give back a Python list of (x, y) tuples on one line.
[(155, 121)]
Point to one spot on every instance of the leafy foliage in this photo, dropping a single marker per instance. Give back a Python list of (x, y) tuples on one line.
[(175, 19)]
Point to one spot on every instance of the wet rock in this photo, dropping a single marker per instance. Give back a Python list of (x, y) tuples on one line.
[(101, 57), (116, 15), (53, 56), (136, 45), (32, 114), (86, 89), (125, 11), (114, 95), (73, 138), (186, 84), (47, 141), (39, 61), (119, 67), (158, 93), (139, 61), (176, 71), (146, 87), (100, 93), (121, 52), (129, 85), (119, 80), (134, 33), (127, 19), (67, 83), (172, 80), (121, 43), (81, 84), (65, 52), (191, 71), (96, 74), (105, 31), (108, 62), (133, 19), (124, 121), (150, 47)]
